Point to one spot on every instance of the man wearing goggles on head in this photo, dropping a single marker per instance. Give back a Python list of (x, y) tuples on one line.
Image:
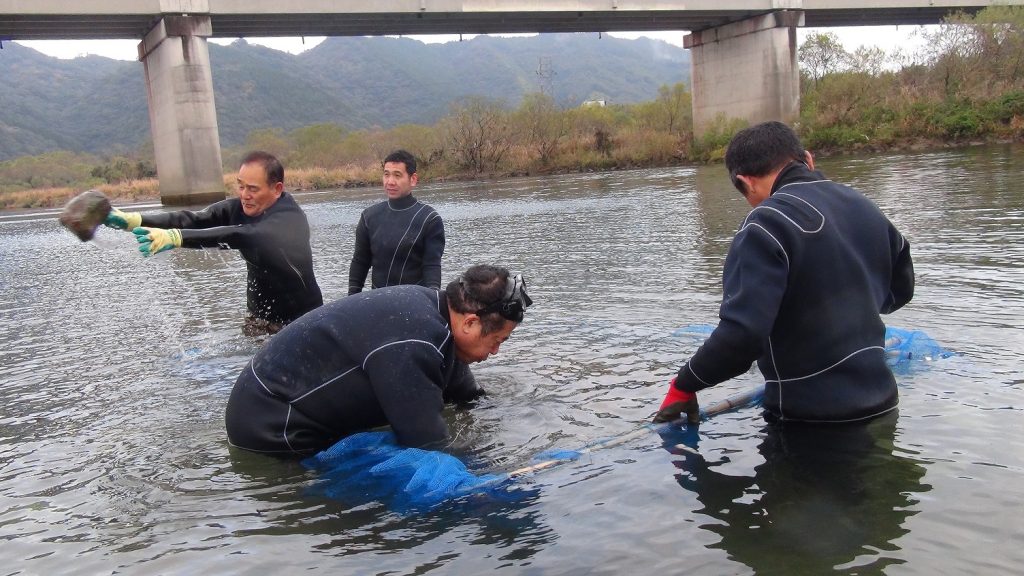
[(512, 304), (389, 356)]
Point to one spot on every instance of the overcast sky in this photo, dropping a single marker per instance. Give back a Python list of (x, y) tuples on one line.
[(885, 37)]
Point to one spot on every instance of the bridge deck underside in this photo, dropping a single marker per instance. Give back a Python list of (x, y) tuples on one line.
[(70, 26)]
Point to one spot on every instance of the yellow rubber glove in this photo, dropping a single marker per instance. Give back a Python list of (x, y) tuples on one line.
[(155, 240), (123, 220)]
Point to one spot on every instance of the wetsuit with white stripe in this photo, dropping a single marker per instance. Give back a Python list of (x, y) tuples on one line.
[(804, 282), (280, 285), (380, 357), (402, 240)]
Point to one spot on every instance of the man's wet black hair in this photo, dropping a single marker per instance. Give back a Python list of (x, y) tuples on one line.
[(405, 158), (271, 165), (760, 149)]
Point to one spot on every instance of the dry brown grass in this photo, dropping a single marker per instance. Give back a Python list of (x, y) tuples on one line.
[(350, 176), (122, 193), (132, 190), (149, 189), (37, 198)]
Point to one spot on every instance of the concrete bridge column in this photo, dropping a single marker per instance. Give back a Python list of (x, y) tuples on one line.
[(182, 116), (746, 70)]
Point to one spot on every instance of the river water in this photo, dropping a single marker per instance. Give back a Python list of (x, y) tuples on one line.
[(115, 371)]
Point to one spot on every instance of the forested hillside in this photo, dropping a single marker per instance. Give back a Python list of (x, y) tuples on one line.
[(98, 105)]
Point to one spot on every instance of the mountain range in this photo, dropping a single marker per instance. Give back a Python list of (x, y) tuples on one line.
[(98, 105)]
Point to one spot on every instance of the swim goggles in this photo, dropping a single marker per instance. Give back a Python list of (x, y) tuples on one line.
[(513, 304)]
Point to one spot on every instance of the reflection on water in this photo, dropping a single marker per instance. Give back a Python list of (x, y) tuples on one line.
[(116, 369), (823, 498)]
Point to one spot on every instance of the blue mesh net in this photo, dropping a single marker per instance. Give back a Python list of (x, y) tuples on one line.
[(907, 348), (373, 466)]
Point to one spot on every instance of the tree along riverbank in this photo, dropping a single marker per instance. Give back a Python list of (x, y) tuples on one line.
[(965, 86)]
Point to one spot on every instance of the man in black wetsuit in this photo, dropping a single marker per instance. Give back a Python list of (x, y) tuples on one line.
[(402, 239), (264, 223), (806, 277), (382, 357)]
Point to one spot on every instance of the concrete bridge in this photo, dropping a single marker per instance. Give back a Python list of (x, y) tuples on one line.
[(743, 52)]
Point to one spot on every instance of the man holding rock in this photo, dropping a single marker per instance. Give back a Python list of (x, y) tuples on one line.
[(264, 223)]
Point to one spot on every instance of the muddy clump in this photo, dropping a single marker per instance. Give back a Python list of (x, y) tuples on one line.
[(84, 213)]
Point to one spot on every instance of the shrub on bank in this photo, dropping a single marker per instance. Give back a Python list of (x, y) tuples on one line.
[(834, 137), (710, 146), (1006, 114), (646, 147)]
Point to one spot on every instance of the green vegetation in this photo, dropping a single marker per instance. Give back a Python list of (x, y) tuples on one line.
[(966, 86)]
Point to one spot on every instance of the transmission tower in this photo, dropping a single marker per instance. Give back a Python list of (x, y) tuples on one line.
[(546, 75)]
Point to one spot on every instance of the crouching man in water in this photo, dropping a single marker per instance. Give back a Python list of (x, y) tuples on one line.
[(383, 357), (805, 279)]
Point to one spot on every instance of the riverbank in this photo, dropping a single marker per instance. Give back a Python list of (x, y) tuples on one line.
[(298, 180), (353, 177), (148, 189)]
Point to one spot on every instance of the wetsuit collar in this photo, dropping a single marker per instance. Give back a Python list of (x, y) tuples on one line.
[(796, 171), (401, 203)]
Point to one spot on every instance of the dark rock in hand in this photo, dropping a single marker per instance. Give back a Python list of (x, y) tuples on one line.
[(84, 213)]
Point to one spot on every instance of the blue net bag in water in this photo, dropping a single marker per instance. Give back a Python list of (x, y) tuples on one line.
[(905, 346), (373, 466)]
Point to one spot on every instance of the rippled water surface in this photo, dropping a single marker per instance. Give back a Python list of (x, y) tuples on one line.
[(115, 371)]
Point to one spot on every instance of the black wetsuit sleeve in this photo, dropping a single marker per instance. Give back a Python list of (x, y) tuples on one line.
[(237, 237), (406, 378), (902, 288), (260, 234), (433, 250), (214, 215), (211, 226), (361, 258), (754, 283)]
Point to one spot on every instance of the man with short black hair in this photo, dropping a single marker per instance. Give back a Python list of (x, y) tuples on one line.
[(264, 223), (805, 279), (392, 356), (401, 239)]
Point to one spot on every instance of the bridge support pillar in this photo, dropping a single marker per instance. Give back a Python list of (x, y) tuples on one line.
[(746, 70), (182, 115)]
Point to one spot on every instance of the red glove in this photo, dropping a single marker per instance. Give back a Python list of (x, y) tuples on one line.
[(676, 403)]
